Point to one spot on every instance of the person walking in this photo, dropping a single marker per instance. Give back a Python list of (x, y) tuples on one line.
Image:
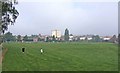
[(23, 50), (41, 50)]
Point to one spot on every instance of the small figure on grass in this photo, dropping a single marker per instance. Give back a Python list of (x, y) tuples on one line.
[(41, 50), (23, 50)]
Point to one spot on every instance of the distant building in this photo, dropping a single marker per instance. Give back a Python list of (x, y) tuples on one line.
[(76, 38), (21, 39), (89, 38), (107, 38), (35, 39), (82, 38), (70, 37), (56, 33)]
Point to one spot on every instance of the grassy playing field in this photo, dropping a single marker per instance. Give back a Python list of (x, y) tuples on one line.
[(61, 57)]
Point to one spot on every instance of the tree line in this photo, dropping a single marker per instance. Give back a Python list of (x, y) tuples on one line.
[(8, 37)]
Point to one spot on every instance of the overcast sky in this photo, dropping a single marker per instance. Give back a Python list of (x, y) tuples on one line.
[(42, 16)]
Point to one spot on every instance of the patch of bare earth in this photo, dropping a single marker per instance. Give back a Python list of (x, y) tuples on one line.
[(3, 54)]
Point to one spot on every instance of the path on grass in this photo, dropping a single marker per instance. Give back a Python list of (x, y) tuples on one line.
[(2, 53)]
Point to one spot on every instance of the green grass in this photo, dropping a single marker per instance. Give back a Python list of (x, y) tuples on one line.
[(61, 57)]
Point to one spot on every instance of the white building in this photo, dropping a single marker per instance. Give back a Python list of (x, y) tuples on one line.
[(89, 38), (82, 38), (71, 37), (56, 33), (107, 38)]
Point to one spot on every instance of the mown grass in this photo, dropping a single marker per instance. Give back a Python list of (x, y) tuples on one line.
[(61, 57)]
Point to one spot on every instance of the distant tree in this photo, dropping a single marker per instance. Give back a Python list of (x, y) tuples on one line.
[(33, 36), (25, 38), (96, 38), (39, 39), (78, 39), (9, 14), (19, 38), (113, 39), (13, 38), (86, 38), (53, 38), (9, 37), (47, 39), (66, 35)]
